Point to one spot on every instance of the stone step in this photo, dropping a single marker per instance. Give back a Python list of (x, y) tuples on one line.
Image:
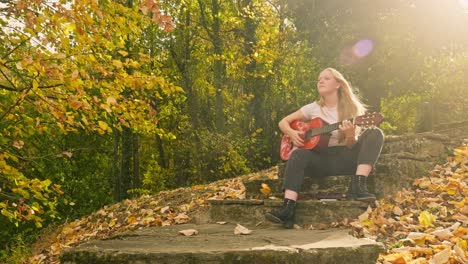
[(308, 212), (330, 184), (218, 244)]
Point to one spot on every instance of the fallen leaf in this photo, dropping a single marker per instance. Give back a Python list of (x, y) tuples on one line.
[(241, 230), (132, 220), (416, 235), (443, 234), (181, 218), (397, 211), (265, 189), (460, 255), (398, 258), (426, 219), (441, 257), (164, 209), (67, 154), (188, 232)]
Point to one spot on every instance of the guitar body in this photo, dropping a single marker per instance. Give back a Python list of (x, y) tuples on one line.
[(316, 132), (310, 142)]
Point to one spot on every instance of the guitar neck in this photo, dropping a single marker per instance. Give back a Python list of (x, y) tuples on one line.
[(327, 128)]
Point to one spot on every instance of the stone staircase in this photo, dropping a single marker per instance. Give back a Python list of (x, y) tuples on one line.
[(217, 244), (313, 240), (322, 202)]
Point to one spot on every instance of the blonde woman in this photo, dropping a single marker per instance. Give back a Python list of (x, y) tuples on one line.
[(348, 153)]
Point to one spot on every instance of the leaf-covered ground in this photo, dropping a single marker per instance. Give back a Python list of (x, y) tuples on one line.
[(426, 224), (166, 208)]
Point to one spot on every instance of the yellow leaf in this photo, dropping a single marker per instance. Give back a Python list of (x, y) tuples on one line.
[(68, 28), (426, 219), (459, 151), (367, 223), (398, 258), (463, 245), (265, 189), (117, 64), (111, 100), (132, 219), (103, 125), (123, 53), (451, 191)]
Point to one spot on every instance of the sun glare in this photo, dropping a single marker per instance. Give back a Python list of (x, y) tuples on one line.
[(464, 5)]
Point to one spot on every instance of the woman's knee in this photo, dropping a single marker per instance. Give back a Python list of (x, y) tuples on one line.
[(375, 134), (299, 154)]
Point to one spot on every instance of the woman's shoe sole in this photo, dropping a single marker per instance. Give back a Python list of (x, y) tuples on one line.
[(366, 199)]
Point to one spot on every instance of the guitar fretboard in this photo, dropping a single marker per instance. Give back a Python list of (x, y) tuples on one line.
[(326, 128)]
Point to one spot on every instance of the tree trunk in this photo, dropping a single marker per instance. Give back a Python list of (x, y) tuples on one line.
[(126, 164), (136, 162), (116, 181), (219, 68)]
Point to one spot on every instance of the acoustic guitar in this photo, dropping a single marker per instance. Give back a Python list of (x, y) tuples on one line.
[(316, 132)]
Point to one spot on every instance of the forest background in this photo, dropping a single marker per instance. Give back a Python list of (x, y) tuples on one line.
[(107, 100)]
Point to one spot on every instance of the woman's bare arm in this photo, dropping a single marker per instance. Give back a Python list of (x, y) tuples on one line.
[(285, 127)]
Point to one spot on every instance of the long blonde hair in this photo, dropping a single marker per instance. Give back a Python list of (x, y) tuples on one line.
[(349, 104)]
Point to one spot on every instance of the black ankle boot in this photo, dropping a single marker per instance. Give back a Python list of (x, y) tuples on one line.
[(358, 189), (352, 188), (284, 215)]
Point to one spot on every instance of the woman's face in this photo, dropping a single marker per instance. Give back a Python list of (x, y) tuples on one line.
[(327, 84)]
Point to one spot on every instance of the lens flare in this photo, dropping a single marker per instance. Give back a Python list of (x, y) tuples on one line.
[(363, 48), (463, 3), (352, 54)]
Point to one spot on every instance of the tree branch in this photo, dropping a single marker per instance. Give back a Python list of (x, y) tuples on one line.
[(203, 18), (16, 103), (12, 84), (7, 88)]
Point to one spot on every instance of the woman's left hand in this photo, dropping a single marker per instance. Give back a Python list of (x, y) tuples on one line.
[(347, 127)]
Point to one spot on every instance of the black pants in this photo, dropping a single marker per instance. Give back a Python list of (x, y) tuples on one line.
[(339, 160)]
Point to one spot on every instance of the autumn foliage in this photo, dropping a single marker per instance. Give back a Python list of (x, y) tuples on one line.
[(105, 100), (428, 223), (62, 73)]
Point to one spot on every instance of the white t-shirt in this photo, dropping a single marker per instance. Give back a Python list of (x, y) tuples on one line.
[(328, 114)]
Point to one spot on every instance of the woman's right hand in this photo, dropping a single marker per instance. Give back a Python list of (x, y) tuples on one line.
[(296, 137)]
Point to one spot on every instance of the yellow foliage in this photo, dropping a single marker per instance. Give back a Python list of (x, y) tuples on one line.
[(426, 219), (438, 234)]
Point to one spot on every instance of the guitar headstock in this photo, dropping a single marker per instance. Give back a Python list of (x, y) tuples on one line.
[(371, 119)]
